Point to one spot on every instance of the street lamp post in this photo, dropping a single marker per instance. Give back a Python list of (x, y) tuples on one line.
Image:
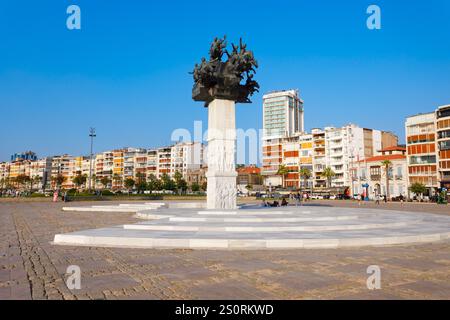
[(92, 135)]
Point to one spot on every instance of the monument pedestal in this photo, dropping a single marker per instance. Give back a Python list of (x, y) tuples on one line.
[(221, 174)]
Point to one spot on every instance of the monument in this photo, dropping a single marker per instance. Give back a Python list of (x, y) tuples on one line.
[(220, 85)]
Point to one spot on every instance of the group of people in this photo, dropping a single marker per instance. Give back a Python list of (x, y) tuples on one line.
[(283, 203), (378, 197), (295, 197)]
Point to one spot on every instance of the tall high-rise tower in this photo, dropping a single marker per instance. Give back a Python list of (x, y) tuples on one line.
[(282, 114)]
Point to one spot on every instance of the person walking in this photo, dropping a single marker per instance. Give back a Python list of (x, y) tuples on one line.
[(298, 200), (377, 199), (401, 199)]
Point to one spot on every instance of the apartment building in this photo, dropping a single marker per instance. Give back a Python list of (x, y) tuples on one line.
[(422, 155), (193, 156), (152, 163), (116, 166), (104, 165), (290, 159), (346, 145), (140, 164), (443, 144), (63, 165), (4, 174), (294, 153), (40, 172), (272, 158), (297, 154), (318, 158), (118, 178), (18, 168), (164, 161)]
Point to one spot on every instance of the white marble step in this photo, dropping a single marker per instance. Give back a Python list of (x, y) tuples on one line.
[(281, 228)]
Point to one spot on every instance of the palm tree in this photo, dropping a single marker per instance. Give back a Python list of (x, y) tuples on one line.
[(282, 171), (328, 173), (59, 180), (22, 180), (305, 173), (387, 165), (94, 180)]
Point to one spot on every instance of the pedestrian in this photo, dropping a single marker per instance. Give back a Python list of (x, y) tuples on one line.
[(385, 198), (297, 199), (377, 198)]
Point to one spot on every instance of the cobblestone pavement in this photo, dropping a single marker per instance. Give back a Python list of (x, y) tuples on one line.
[(32, 268)]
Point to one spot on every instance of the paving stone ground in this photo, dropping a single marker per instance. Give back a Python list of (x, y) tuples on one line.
[(32, 268)]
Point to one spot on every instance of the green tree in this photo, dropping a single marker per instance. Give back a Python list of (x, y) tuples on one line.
[(6, 183), (195, 187), (129, 183), (79, 180), (387, 166), (418, 188), (153, 183), (181, 184), (141, 184), (205, 186), (140, 177), (306, 174), (328, 173), (167, 182), (282, 171), (105, 181), (177, 176)]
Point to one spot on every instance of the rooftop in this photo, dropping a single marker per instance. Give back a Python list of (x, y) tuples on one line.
[(381, 158)]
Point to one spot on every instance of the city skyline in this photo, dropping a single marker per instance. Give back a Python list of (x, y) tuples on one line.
[(118, 72)]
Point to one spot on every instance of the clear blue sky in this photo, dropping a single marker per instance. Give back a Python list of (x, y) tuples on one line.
[(126, 71)]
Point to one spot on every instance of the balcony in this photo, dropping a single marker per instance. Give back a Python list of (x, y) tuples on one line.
[(375, 177)]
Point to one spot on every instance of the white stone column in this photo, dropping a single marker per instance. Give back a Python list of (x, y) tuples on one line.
[(221, 174)]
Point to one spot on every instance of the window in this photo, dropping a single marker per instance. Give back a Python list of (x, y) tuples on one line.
[(375, 170), (422, 159), (444, 145), (363, 173)]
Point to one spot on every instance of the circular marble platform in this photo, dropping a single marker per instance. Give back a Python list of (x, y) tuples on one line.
[(192, 227)]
